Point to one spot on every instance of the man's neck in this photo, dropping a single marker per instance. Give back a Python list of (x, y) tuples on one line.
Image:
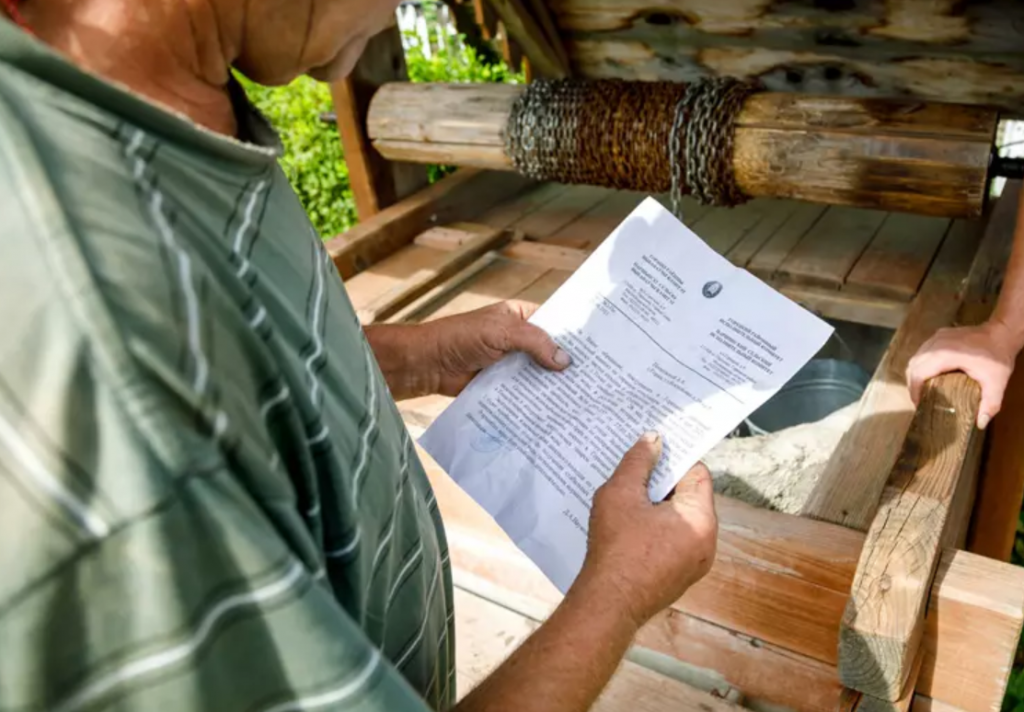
[(175, 53)]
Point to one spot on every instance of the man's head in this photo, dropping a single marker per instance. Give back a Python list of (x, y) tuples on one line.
[(281, 39)]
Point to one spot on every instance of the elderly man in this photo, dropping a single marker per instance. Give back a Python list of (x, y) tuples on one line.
[(208, 499)]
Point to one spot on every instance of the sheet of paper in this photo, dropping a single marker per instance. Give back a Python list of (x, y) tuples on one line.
[(666, 335)]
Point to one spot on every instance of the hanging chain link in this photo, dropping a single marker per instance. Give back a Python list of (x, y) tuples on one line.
[(653, 137)]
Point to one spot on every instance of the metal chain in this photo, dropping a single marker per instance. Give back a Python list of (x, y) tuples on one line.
[(653, 137)]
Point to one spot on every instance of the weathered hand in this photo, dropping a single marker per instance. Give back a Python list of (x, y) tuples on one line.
[(986, 353), (467, 343), (642, 556)]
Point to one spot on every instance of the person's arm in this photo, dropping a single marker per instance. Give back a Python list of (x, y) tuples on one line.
[(986, 352), (641, 557), (442, 356)]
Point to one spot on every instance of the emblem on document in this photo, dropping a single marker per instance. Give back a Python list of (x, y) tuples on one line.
[(712, 289)]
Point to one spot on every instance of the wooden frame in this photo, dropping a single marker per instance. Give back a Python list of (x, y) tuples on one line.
[(777, 606), (868, 600)]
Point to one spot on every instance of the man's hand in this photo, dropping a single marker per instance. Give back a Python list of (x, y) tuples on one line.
[(643, 556), (986, 353), (640, 558), (443, 356)]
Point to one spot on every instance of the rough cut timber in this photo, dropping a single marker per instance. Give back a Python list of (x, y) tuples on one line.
[(526, 22), (965, 52), (376, 183), (723, 635), (884, 618), (925, 158)]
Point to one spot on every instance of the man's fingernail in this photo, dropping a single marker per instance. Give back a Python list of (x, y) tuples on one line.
[(983, 420), (650, 437), (562, 358)]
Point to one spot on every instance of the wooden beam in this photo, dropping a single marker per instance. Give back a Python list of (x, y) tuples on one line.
[(851, 484), (376, 182), (474, 242), (1001, 483), (524, 27), (460, 196), (971, 632), (929, 159), (884, 618), (487, 633)]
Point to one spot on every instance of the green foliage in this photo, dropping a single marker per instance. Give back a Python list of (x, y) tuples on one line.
[(1014, 699), (313, 159)]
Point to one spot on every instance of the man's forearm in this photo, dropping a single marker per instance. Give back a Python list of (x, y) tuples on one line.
[(564, 665), (1009, 309), (400, 351)]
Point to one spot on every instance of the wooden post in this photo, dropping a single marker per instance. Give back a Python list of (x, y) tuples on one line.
[(376, 182)]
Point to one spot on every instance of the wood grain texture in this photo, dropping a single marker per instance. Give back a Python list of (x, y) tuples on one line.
[(523, 26), (890, 155), (827, 253), (422, 275), (769, 258), (831, 304), (592, 227), (547, 255), (897, 260), (376, 183), (461, 196), (487, 633), (851, 484), (884, 618), (943, 51), (969, 651)]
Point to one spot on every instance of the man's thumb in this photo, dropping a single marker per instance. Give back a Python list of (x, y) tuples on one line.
[(696, 486), (639, 461)]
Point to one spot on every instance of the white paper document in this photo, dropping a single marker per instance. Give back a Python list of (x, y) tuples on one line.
[(664, 334)]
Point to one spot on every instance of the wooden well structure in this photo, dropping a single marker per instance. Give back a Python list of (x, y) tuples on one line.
[(891, 591)]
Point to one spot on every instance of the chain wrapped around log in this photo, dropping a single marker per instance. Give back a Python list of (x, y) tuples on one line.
[(890, 154)]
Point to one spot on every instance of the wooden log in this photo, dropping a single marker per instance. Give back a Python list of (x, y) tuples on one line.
[(940, 51), (461, 196), (851, 484), (376, 183), (930, 159), (884, 619)]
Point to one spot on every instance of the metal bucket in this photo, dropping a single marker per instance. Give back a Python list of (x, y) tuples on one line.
[(819, 389)]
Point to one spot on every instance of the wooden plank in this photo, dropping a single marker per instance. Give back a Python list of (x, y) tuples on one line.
[(484, 559), (544, 254), (487, 633), (501, 280), (591, 228), (927, 704), (767, 260), (460, 196), (779, 578), (542, 14), (442, 293), (506, 215), (776, 215), (426, 276), (884, 619), (971, 632), (851, 484), (867, 703), (839, 65), (897, 260), (1001, 481), (723, 228), (827, 254), (828, 303), (376, 183), (570, 203), (523, 27)]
